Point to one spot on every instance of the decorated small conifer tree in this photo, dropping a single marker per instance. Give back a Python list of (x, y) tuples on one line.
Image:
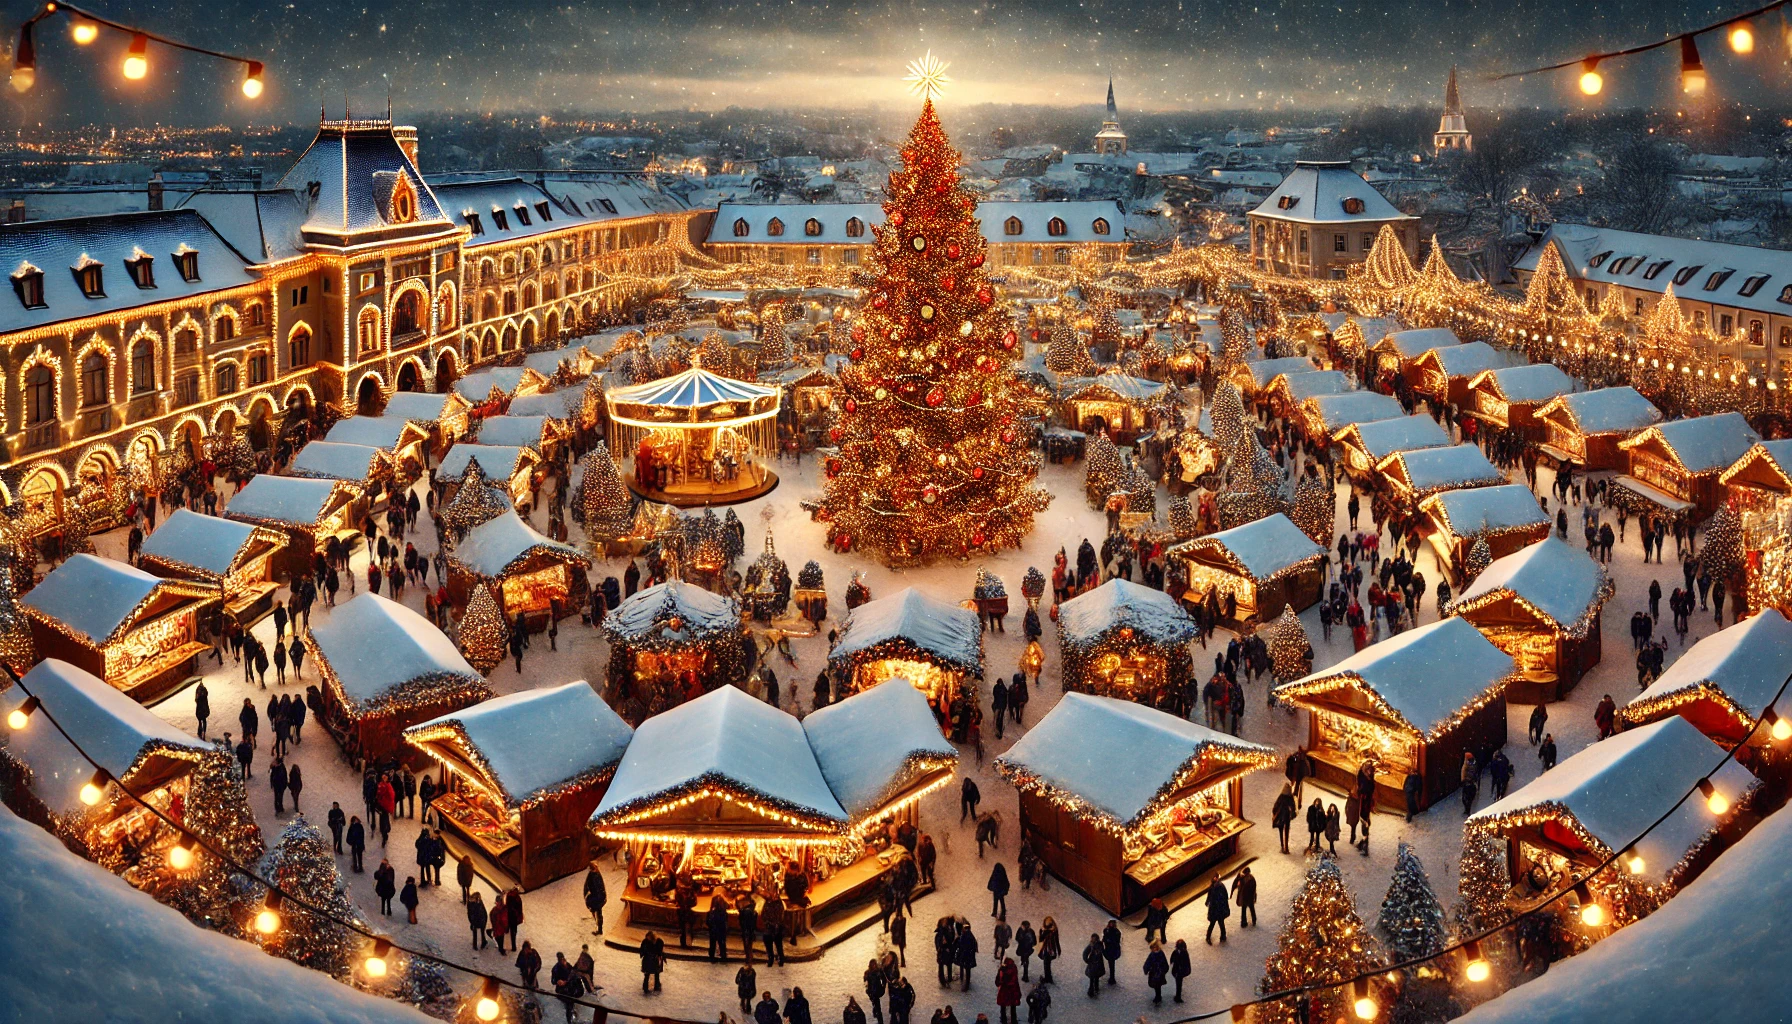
[(1103, 470), (1235, 338), (603, 503), (1315, 509), (1290, 649), (1067, 354), (17, 650), (483, 632), (774, 343), (1721, 555), (1228, 418), (1480, 556), (1323, 941), (1182, 517), (1032, 586), (809, 577), (1411, 919), (1483, 881), (301, 864)]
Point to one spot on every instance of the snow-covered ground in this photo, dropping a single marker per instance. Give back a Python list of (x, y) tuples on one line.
[(555, 917)]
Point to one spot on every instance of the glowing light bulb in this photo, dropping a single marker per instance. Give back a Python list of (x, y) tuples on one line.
[(180, 858), (1634, 862), (1591, 81), (1742, 37), (1716, 802), (24, 61), (85, 31), (376, 960), (95, 788), (252, 81), (1362, 1002), (1782, 730), (487, 1006), (136, 62), (267, 921), (1478, 971), (1692, 71), (1592, 915), (20, 717)]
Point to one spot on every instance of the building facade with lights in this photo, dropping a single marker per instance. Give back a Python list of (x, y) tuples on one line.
[(1321, 220)]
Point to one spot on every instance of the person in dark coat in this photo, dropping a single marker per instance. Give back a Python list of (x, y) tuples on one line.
[(384, 886), (1092, 965), (463, 874), (426, 853), (653, 960), (1157, 971), (1413, 789), (408, 898), (1026, 940), (1110, 947), (202, 706), (1218, 909), (796, 1008), (851, 1013), (1284, 812), (357, 842), (1244, 893), (477, 919), (1315, 824), (1180, 968), (766, 1010), (902, 1000), (749, 924), (570, 986), (771, 929), (998, 890), (746, 982), (875, 986), (337, 821), (513, 906), (528, 965), (1039, 1003), (965, 957), (969, 796), (596, 897), (715, 921), (277, 780)]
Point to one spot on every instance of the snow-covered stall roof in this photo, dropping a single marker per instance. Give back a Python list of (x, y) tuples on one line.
[(112, 728), (1552, 578), (1617, 787), (1605, 411), (1533, 382), (1383, 438), (1703, 444), (548, 363), (701, 611), (96, 598), (1475, 511), (285, 500), (1429, 469), (492, 548), (159, 967), (497, 462), (1402, 675), (1071, 755), (418, 406), (1462, 360), (876, 744), (1742, 667), (1777, 455), (531, 743), (330, 460), (1122, 603), (383, 432), (209, 544), (914, 620), (513, 431), (559, 405), (1313, 383), (724, 740), (1262, 371), (476, 387), (380, 652), (1263, 549), (1336, 412), (1415, 342), (1122, 386)]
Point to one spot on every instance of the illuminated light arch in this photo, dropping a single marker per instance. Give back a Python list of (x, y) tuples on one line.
[(104, 454), (262, 398), (181, 423), (157, 443), (310, 395), (230, 408), (41, 356), (423, 372), (226, 311), (379, 322), (379, 381), (413, 285), (95, 343)]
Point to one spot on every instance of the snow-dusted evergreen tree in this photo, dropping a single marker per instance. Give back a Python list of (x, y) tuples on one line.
[(1067, 354), (1323, 941), (603, 504), (1182, 517), (483, 632), (1228, 419), (1103, 470), (302, 865), (1480, 556), (1315, 509), (1411, 919)]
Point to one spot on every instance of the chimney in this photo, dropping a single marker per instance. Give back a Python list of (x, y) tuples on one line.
[(407, 141), (15, 214), (155, 191)]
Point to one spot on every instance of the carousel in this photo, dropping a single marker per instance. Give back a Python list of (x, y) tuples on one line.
[(696, 438)]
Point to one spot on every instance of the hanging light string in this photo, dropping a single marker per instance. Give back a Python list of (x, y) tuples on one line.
[(1741, 38), (24, 72), (279, 897)]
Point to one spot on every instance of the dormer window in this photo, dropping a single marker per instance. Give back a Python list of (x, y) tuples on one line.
[(522, 215), (774, 228), (1685, 274), (608, 206), (1753, 285), (740, 227), (1056, 227), (186, 264), (1011, 226), (812, 228), (1353, 205), (855, 228), (1100, 226), (542, 209), (473, 222), (1655, 269), (142, 269), (502, 221), (1717, 279), (1287, 202), (402, 208), (28, 284), (88, 277), (1599, 259)]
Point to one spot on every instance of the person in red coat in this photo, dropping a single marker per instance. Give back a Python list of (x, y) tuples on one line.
[(1008, 991)]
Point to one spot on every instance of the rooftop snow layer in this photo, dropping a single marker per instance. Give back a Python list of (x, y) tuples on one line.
[(1312, 383), (947, 631), (512, 431), (497, 462), (1608, 410), (1747, 663), (1704, 444), (418, 406), (1467, 360), (1339, 411), (1262, 547), (1553, 576), (92, 596), (876, 743), (1459, 465), (701, 610), (1471, 511), (1383, 438), (382, 432), (330, 460), (1415, 342), (492, 547), (1262, 371), (378, 647), (1534, 382), (1319, 189), (1121, 602), (207, 543), (282, 499), (537, 740), (1403, 671)]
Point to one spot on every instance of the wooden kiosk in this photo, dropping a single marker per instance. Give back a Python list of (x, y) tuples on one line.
[(1413, 476), (1506, 516), (1322, 416), (1254, 376), (529, 574), (522, 774), (1674, 466), (236, 558), (1413, 703), (1288, 391), (138, 632), (1540, 605), (509, 467), (403, 441), (1116, 402), (442, 415), (1366, 445), (1128, 641), (937, 647), (359, 464), (1124, 838), (669, 644), (1398, 351), (537, 433), (307, 512), (1754, 487), (1442, 374), (1585, 427), (1264, 565), (1724, 683), (1509, 397)]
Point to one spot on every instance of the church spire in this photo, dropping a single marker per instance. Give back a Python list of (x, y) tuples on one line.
[(1113, 114), (1452, 101)]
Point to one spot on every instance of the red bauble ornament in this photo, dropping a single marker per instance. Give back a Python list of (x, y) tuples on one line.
[(977, 260), (852, 405), (1008, 436), (845, 542), (1008, 341), (857, 354), (833, 468), (935, 398), (984, 295), (948, 283), (977, 539), (941, 189), (1007, 418), (879, 301), (976, 398), (896, 218), (977, 473), (952, 251), (930, 494), (835, 434), (858, 333)]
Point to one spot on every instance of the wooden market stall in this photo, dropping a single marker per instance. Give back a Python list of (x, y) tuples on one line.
[(1755, 485), (540, 434), (1509, 397), (1506, 516), (668, 644), (729, 796), (1398, 351), (1366, 445), (234, 557), (529, 574), (1569, 820), (42, 775), (404, 441), (808, 402), (1322, 416), (1673, 467), (359, 464), (510, 467), (1413, 476), (1584, 427), (1253, 376), (522, 774), (442, 415), (1286, 393), (1413, 703), (501, 384), (1128, 641), (696, 438), (1540, 604), (1125, 837), (138, 632), (1443, 373), (386, 668), (934, 645), (307, 512), (1116, 402), (1724, 683), (569, 410), (1264, 566)]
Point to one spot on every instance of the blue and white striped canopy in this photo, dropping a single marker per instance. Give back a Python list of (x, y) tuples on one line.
[(695, 388)]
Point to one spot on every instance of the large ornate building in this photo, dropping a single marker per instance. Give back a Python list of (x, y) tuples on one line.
[(1019, 234), (1322, 219)]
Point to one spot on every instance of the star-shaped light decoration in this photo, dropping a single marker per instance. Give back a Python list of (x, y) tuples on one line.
[(927, 76)]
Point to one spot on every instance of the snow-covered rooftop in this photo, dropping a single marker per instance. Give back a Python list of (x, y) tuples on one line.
[(877, 743), (539, 740), (1312, 383), (1123, 603), (1123, 385), (493, 547), (477, 386), (702, 611), (282, 499), (417, 406), (1721, 273), (1383, 438), (1261, 549), (1552, 576), (1703, 444), (92, 596), (207, 543), (378, 648), (1471, 511), (1416, 341), (1606, 410), (1402, 672), (1327, 192), (1777, 454), (1339, 411), (512, 431), (1465, 360), (1427, 469), (1744, 666), (750, 223), (1533, 382), (382, 432), (497, 462), (944, 630), (559, 405), (330, 460), (1262, 371)]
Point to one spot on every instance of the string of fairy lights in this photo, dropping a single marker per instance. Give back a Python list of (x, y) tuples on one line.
[(85, 29), (1739, 32)]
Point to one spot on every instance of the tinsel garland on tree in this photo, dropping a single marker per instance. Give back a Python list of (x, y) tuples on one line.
[(1141, 491), (603, 504), (1290, 649), (217, 810), (1182, 517), (1105, 327), (482, 631), (1322, 941), (1103, 469), (1315, 509), (1482, 884), (301, 864), (475, 502), (1411, 918), (1721, 555), (17, 650), (1228, 419), (1480, 556), (1348, 340)]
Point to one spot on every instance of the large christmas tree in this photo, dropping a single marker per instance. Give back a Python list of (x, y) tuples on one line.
[(933, 453), (1323, 942)]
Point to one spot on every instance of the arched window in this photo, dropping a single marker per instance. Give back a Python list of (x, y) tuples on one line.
[(1100, 226), (143, 366), (488, 346), (855, 228), (488, 307), (94, 380), (40, 395), (812, 228), (367, 330), (186, 341), (226, 379), (225, 328), (485, 271), (509, 266), (547, 255), (1353, 205), (509, 303), (774, 228), (1056, 227), (528, 296), (528, 262), (1011, 226), (298, 348), (407, 316), (445, 310), (257, 315), (740, 227)]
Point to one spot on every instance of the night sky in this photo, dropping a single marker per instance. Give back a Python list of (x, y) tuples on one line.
[(507, 56)]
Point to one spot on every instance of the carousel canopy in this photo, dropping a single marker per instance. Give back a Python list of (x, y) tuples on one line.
[(877, 743), (1263, 549), (1120, 603), (1743, 667), (1313, 383), (1617, 787), (383, 432), (1402, 675), (1606, 410), (1336, 412), (513, 431), (112, 728), (1555, 580), (331, 460), (493, 548), (1473, 511), (1430, 469), (1461, 360), (1533, 382), (1070, 755), (1262, 371), (421, 406), (1413, 343), (532, 743), (206, 543), (96, 598), (497, 461), (693, 397), (646, 611), (285, 500), (1703, 444), (724, 740), (381, 653), (950, 633), (1383, 438)]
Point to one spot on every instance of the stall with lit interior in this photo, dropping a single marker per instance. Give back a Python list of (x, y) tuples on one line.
[(567, 410), (1322, 416), (307, 512), (1584, 428), (489, 389), (1673, 467), (1559, 827), (137, 631), (1413, 703), (669, 644), (384, 669), (1288, 391), (520, 776), (1122, 838), (696, 438), (45, 779), (1365, 445), (808, 402), (403, 441), (1413, 476), (1506, 516), (1509, 397), (1116, 402), (1755, 485), (1540, 604), (936, 646), (530, 575), (510, 467), (1442, 374), (443, 416), (1397, 351), (235, 558), (1262, 567), (740, 798), (1725, 684), (1128, 641), (1253, 376)]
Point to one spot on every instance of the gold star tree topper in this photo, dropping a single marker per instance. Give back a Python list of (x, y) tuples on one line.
[(927, 76)]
